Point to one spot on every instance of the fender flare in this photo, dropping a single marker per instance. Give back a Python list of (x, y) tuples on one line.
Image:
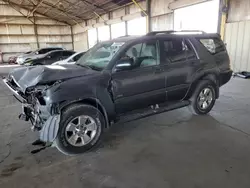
[(91, 101), (208, 76)]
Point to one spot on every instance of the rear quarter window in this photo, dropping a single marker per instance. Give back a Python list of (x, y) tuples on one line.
[(213, 45)]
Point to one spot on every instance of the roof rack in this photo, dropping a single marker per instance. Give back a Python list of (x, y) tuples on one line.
[(173, 31)]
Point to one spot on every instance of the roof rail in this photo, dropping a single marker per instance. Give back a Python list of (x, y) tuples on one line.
[(173, 31)]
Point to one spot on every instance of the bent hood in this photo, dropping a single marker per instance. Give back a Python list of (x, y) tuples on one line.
[(26, 77)]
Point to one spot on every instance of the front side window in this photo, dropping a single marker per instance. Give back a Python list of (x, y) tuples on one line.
[(75, 58), (177, 50), (100, 55), (143, 54)]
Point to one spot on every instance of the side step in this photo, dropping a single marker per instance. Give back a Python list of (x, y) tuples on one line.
[(142, 113)]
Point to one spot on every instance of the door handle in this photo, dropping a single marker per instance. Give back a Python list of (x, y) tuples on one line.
[(159, 69)]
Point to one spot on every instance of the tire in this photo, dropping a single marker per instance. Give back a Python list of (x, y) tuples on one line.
[(72, 114), (195, 107)]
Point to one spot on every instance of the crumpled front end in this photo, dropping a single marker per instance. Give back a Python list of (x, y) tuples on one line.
[(42, 115)]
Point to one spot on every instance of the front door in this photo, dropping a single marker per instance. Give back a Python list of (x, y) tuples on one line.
[(142, 85)]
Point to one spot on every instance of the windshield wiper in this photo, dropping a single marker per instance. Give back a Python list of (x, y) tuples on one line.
[(85, 66), (90, 67), (94, 67)]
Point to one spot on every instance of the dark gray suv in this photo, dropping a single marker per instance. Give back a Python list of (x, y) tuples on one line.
[(120, 80)]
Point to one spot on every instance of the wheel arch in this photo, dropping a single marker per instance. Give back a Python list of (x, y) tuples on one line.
[(89, 101), (213, 77)]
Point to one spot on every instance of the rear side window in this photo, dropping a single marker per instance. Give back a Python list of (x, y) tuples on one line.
[(67, 53), (213, 45), (177, 50), (43, 51), (55, 54)]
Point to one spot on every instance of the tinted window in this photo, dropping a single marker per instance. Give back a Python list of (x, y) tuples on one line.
[(190, 54), (43, 51), (213, 45), (176, 50), (46, 50), (77, 56), (67, 53), (54, 54), (144, 54)]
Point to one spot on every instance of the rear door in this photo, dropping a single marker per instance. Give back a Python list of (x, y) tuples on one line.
[(180, 63)]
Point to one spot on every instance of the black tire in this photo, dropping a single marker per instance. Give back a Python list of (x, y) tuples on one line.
[(194, 106), (69, 114)]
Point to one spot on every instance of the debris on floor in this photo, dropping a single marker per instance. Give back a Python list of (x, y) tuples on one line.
[(242, 74)]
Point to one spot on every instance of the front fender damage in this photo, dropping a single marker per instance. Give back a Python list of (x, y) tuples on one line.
[(49, 131)]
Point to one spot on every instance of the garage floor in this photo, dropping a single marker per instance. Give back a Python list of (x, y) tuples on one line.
[(170, 150)]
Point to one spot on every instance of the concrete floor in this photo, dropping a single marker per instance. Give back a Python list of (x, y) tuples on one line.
[(170, 150)]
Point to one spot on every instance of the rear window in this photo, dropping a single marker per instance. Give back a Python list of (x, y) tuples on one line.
[(213, 45)]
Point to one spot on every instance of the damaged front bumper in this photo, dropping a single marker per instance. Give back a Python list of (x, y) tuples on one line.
[(39, 115)]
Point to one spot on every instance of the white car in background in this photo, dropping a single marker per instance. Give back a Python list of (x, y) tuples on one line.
[(70, 60), (35, 54)]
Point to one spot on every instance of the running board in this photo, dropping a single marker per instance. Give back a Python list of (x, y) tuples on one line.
[(142, 113)]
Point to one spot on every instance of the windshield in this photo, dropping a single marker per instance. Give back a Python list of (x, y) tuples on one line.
[(100, 55)]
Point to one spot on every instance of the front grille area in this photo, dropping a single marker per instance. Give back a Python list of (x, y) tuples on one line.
[(13, 83)]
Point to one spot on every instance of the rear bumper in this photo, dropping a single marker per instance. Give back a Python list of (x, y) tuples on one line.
[(225, 77)]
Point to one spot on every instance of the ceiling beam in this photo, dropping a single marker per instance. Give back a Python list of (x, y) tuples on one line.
[(49, 8), (15, 8), (35, 8), (109, 10), (94, 5), (61, 10), (23, 7), (71, 6)]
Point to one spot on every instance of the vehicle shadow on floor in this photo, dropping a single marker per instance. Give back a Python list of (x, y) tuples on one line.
[(118, 133)]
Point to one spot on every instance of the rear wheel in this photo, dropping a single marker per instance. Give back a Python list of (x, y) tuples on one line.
[(203, 98), (80, 129)]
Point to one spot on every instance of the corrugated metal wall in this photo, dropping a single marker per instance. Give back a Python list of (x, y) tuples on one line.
[(237, 35), (237, 39), (120, 15), (17, 33), (162, 18)]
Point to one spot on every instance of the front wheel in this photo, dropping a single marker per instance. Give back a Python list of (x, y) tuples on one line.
[(203, 98), (80, 129)]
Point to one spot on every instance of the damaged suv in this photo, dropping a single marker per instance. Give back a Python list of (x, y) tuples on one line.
[(118, 81)]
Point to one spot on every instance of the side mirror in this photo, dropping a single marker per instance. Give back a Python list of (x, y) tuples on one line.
[(49, 57), (36, 53), (124, 64)]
